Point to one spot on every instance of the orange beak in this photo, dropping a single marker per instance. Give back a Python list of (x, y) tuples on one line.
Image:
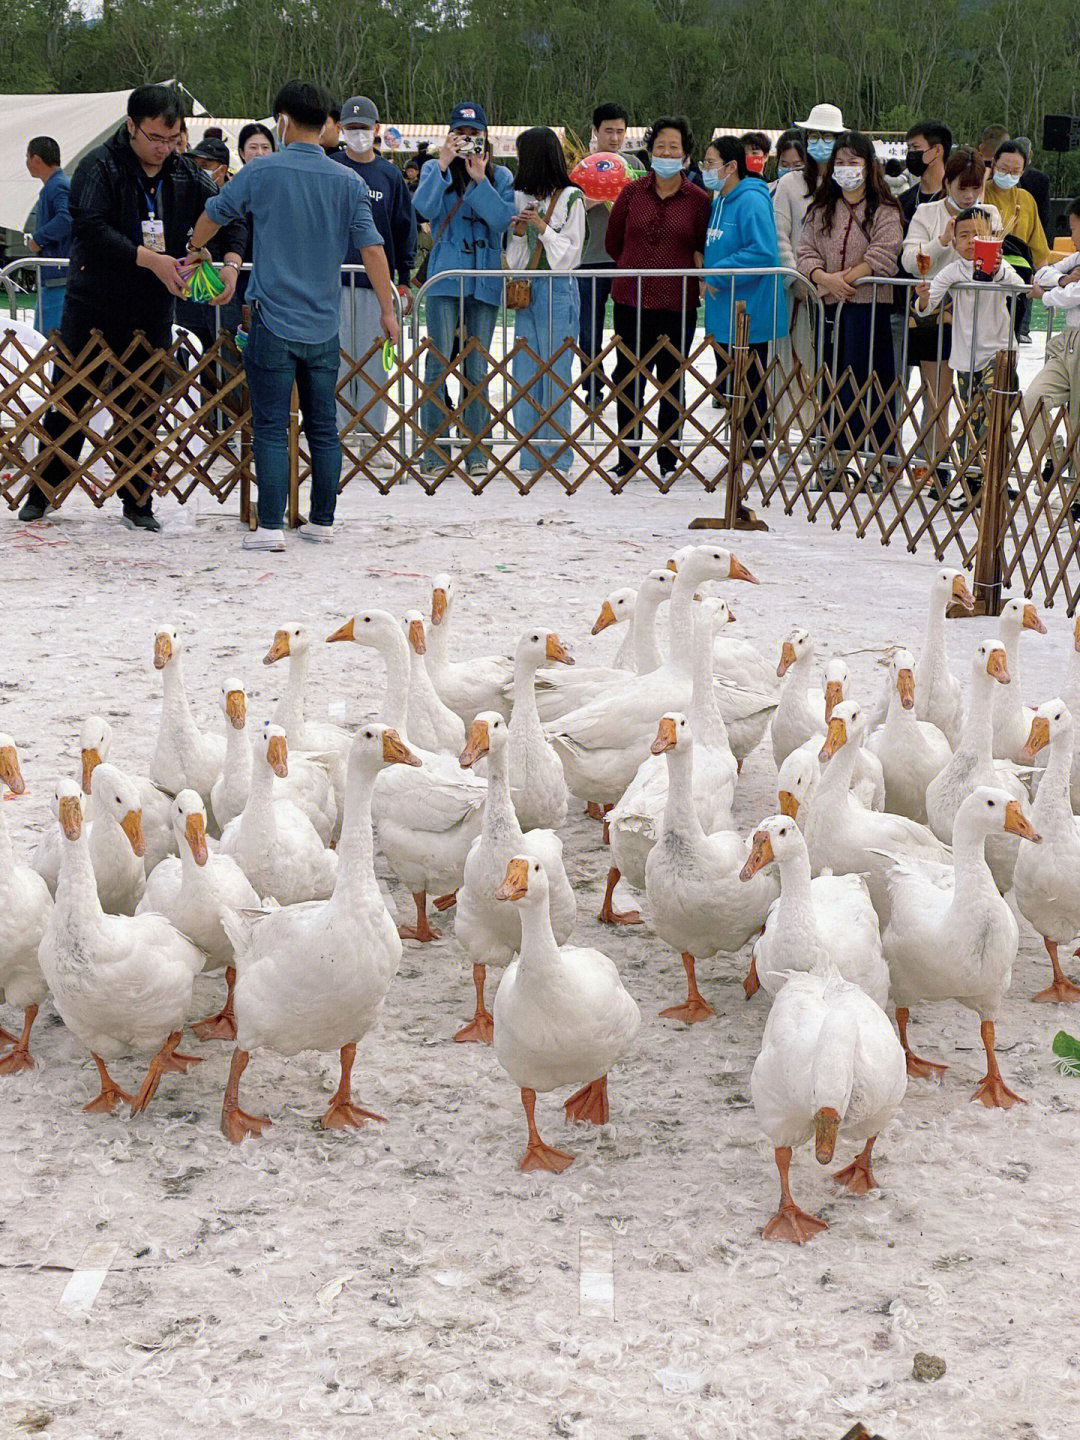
[(70, 816), (438, 606), (10, 773), (131, 825), (515, 885), (1032, 621), (761, 854), (477, 744), (666, 737), (1038, 739), (606, 618), (162, 651), (789, 806), (787, 659), (91, 759), (998, 666), (962, 595), (738, 571), (344, 633), (279, 647), (1017, 823), (835, 739), (195, 834), (905, 688), (826, 1124), (834, 693), (416, 636), (236, 706), (673, 567), (557, 651), (277, 755), (396, 752)]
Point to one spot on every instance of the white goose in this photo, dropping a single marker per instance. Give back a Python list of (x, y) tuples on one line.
[(618, 609), (1012, 718), (433, 726), (829, 1065), (184, 757), (120, 982), (314, 977), (912, 752), (952, 936), (842, 835), (192, 892), (736, 661), (25, 904), (488, 931), (426, 819), (867, 778), (1047, 880), (1072, 699), (95, 746), (466, 686), (938, 696), (974, 763), (116, 844), (796, 781), (697, 902), (562, 1016), (536, 773), (635, 820), (800, 710), (313, 737), (826, 921), (273, 841)]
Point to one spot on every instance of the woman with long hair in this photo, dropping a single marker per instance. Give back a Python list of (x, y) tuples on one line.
[(547, 235)]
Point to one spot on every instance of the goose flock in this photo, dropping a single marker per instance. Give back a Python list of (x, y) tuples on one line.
[(249, 851)]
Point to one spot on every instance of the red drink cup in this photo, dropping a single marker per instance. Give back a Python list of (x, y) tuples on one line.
[(986, 257)]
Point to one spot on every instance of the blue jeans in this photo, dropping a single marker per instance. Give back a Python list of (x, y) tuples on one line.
[(50, 307), (273, 365), (549, 322), (443, 315)]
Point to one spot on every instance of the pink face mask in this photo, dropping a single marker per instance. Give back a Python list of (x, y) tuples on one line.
[(755, 164)]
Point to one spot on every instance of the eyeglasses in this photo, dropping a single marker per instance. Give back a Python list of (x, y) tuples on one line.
[(163, 142)]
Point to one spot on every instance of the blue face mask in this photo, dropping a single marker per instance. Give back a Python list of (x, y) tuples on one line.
[(782, 170), (820, 150), (1004, 181), (711, 179), (664, 168)]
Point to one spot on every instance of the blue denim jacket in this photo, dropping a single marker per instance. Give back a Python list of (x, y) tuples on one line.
[(53, 232), (473, 240)]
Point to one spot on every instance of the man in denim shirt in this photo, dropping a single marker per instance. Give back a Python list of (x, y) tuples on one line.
[(53, 233), (305, 211)]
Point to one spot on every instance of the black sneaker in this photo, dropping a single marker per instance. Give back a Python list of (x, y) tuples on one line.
[(32, 510), (142, 520)]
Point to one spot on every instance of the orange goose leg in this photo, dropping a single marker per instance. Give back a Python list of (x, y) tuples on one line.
[(992, 1090), (110, 1092), (923, 1069), (858, 1177), (1062, 991), (19, 1058), (589, 1104), (343, 1115), (221, 1026), (481, 1028), (236, 1123), (790, 1223), (610, 916), (421, 930), (539, 1156), (166, 1059), (696, 1007)]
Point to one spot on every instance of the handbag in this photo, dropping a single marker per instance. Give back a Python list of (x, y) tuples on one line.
[(519, 292)]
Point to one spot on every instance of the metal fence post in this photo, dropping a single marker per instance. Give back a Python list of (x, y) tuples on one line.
[(736, 515), (989, 560)]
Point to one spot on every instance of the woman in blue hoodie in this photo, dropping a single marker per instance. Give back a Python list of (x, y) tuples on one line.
[(468, 203), (742, 236)]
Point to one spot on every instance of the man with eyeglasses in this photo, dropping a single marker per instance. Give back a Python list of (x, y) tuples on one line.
[(134, 203)]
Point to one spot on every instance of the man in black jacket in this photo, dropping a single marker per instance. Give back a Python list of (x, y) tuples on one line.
[(133, 205)]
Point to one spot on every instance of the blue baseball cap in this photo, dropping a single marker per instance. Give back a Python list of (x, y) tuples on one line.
[(468, 112)]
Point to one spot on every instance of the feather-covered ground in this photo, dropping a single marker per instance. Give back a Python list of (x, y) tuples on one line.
[(407, 1280)]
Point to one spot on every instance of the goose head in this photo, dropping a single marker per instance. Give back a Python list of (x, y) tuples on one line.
[(276, 750), (902, 670), (673, 733), (117, 795), (1019, 615), (712, 614), (1050, 721), (414, 632), (697, 563), (67, 807), (167, 647), (656, 587), (950, 588), (377, 746), (95, 741), (988, 811), (376, 628), (776, 838), (293, 639), (189, 824), (794, 781), (847, 726), (990, 659), (836, 682), (234, 703), (617, 608), (488, 732), (10, 774), (525, 882), (542, 647), (798, 646), (442, 598)]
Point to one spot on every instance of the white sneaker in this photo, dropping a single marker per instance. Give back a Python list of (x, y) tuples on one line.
[(264, 540), (320, 534)]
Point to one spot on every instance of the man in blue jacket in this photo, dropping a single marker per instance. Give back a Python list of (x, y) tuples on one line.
[(53, 233), (395, 220)]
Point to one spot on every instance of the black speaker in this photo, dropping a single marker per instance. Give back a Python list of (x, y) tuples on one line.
[(1061, 132)]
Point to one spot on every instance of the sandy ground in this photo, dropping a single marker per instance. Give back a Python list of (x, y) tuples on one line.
[(408, 1275)]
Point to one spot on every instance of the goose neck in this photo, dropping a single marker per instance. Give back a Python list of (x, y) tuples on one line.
[(76, 889), (538, 945), (705, 717), (356, 849), (438, 643), (259, 810), (525, 717), (500, 819), (973, 875), (238, 759), (681, 622), (292, 704), (978, 733), (680, 813), (647, 656), (394, 649), (1052, 802), (836, 776)]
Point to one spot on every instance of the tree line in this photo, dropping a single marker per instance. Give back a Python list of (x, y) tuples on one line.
[(739, 62)]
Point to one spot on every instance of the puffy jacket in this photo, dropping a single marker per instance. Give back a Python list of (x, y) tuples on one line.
[(108, 206), (473, 239), (742, 236)]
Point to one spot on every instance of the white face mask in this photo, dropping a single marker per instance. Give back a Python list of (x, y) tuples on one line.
[(282, 130), (848, 177), (358, 142)]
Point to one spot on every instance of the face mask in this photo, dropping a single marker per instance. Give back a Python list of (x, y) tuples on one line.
[(666, 169), (915, 162), (712, 179), (358, 142), (782, 170), (821, 150), (755, 164), (282, 128), (848, 177), (1004, 181)]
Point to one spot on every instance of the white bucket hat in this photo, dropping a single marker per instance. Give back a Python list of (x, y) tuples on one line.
[(824, 117)]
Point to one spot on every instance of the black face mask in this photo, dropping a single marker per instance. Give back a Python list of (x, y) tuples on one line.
[(916, 163)]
